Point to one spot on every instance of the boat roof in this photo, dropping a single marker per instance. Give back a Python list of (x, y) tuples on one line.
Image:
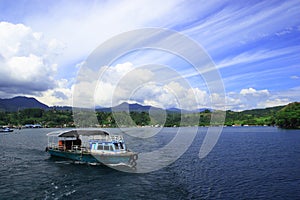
[(78, 132)]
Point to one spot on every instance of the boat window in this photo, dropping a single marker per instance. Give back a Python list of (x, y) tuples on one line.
[(106, 147), (116, 146), (110, 148), (100, 147), (121, 145)]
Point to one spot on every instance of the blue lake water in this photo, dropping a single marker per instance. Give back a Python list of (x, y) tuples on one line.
[(246, 163)]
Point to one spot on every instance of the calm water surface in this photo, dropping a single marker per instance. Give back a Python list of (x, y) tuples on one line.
[(246, 163)]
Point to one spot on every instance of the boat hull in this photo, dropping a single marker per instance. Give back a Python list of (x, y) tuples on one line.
[(123, 158), (86, 158), (6, 131), (127, 158)]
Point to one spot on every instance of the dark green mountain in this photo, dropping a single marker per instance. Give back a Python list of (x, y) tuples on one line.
[(128, 107), (19, 103), (289, 116)]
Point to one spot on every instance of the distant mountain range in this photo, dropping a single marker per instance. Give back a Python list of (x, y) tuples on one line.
[(126, 106), (18, 103), (140, 108)]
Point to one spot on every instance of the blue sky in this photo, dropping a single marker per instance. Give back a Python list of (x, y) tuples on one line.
[(255, 45)]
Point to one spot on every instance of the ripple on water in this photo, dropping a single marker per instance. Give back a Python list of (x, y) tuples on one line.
[(255, 162)]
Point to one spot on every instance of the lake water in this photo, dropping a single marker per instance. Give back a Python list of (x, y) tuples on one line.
[(246, 163)]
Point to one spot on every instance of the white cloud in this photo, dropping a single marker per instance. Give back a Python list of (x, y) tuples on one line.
[(117, 84), (257, 55), (251, 98), (84, 26), (294, 77), (61, 95), (219, 26), (274, 102), (253, 92), (241, 24), (127, 83), (233, 103), (27, 60)]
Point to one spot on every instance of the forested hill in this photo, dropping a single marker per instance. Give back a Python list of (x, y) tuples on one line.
[(19, 103), (263, 111), (289, 116), (283, 116), (266, 116)]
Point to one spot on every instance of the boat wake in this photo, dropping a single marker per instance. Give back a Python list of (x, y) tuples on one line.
[(118, 164), (64, 162)]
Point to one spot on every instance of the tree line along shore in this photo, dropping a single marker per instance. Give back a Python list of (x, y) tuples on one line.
[(282, 116)]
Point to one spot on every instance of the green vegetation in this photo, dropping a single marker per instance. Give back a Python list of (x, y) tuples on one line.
[(289, 116), (50, 118), (282, 116), (252, 117)]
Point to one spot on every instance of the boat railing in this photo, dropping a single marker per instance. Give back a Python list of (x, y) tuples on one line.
[(111, 138), (117, 138), (55, 146), (77, 148), (74, 148)]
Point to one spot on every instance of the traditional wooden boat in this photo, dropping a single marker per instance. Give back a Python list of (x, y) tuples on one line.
[(91, 146)]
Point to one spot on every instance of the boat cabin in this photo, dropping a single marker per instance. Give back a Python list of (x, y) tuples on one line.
[(115, 144), (96, 141), (92, 146), (69, 144)]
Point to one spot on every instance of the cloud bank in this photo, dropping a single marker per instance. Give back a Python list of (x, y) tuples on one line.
[(254, 44), (26, 60)]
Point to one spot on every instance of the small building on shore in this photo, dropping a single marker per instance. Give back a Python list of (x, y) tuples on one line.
[(33, 126)]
